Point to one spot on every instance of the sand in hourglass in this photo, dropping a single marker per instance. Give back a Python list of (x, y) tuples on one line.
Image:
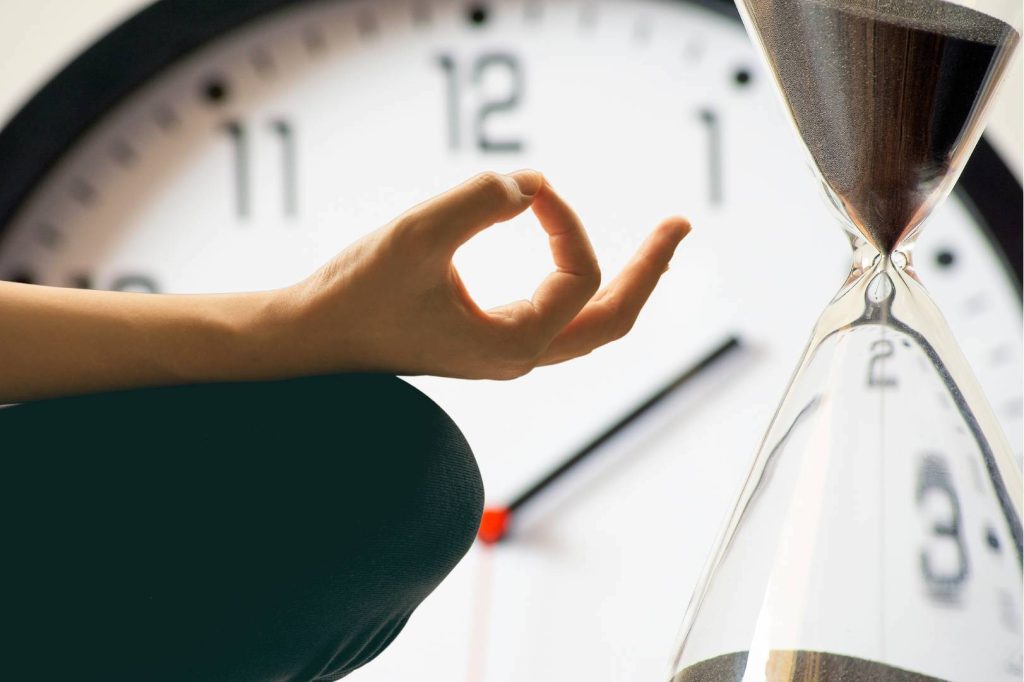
[(883, 92), (799, 666)]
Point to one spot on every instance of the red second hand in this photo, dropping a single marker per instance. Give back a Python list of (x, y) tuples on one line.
[(493, 524)]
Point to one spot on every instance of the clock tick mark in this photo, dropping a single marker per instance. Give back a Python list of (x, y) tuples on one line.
[(314, 40), (421, 14), (992, 540), (262, 62), (123, 153), (693, 51), (1014, 408), (642, 32), (82, 192), (742, 77), (588, 15), (1001, 355), (976, 304), (81, 281), (366, 24), (533, 11), (48, 235), (166, 118)]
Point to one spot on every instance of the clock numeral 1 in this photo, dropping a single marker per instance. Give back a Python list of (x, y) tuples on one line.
[(487, 107), (710, 120), (284, 130), (238, 135), (240, 146)]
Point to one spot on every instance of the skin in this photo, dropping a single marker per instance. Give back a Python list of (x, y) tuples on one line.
[(391, 302)]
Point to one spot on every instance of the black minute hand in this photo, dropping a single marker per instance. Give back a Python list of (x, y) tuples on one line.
[(495, 522)]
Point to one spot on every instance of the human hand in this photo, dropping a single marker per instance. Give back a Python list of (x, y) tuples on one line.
[(394, 302)]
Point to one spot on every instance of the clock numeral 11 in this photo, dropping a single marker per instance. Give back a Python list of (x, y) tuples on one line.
[(238, 135), (486, 105)]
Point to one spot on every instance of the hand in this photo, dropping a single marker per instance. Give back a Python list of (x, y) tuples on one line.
[(394, 302)]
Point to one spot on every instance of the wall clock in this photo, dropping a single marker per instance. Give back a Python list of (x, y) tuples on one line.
[(238, 145)]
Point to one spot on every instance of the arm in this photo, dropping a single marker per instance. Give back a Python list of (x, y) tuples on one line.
[(391, 302)]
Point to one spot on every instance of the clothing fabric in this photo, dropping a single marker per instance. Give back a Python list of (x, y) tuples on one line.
[(279, 531)]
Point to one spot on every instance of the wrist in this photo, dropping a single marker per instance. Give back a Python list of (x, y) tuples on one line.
[(263, 336)]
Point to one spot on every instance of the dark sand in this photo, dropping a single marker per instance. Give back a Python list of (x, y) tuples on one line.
[(799, 666), (882, 91)]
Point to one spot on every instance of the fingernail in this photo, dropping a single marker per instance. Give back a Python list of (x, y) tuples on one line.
[(529, 181)]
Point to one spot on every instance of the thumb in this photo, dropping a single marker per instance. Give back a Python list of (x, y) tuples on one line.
[(452, 218)]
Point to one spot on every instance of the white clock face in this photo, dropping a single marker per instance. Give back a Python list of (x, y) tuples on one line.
[(251, 162)]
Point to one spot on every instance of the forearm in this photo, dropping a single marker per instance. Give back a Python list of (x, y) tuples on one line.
[(56, 341)]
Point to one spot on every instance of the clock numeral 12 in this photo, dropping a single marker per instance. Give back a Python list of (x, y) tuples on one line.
[(486, 107), (238, 134)]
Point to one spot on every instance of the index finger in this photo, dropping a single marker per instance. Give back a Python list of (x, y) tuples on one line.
[(453, 217)]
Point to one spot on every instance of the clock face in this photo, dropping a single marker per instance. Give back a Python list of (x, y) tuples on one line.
[(248, 163)]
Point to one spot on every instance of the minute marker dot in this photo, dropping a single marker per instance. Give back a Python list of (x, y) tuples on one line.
[(477, 15), (945, 258), (215, 90)]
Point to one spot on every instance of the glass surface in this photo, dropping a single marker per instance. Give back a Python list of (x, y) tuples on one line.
[(878, 534)]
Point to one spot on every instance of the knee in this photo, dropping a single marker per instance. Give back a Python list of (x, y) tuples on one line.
[(400, 468)]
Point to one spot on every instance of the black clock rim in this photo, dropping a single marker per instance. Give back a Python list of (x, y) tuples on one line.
[(157, 36)]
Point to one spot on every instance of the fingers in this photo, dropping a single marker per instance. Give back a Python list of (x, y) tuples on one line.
[(564, 292), (612, 312), (577, 275), (450, 219)]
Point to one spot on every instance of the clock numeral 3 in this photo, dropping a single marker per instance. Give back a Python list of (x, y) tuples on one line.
[(944, 581), (486, 66), (238, 134)]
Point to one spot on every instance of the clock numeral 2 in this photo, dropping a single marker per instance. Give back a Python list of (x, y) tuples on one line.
[(238, 135), (876, 365), (487, 107)]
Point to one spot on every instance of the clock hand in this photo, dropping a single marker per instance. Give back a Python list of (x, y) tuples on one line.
[(495, 521)]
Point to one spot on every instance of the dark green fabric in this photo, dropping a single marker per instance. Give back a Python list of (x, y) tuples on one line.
[(255, 531)]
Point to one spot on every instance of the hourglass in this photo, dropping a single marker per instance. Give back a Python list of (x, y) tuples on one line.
[(878, 534)]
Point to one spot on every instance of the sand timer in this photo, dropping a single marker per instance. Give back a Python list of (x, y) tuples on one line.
[(878, 534)]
